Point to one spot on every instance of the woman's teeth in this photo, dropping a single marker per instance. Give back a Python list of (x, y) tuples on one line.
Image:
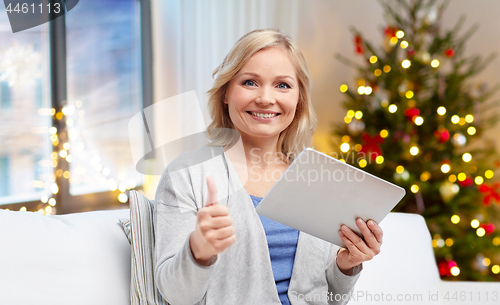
[(264, 115)]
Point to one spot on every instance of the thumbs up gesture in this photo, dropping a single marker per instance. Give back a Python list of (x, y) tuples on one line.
[(214, 230)]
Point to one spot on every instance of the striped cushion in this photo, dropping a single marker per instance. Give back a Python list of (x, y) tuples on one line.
[(142, 287), (126, 227)]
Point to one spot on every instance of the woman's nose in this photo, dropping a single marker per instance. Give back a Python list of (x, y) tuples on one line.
[(266, 96)]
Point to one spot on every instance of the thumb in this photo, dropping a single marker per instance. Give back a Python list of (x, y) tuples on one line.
[(212, 191)]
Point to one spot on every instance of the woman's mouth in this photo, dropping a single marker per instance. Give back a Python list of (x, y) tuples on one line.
[(263, 117)]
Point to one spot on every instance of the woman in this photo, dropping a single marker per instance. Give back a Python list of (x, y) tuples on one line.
[(211, 245)]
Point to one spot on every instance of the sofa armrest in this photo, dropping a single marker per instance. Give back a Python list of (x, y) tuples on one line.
[(470, 293)]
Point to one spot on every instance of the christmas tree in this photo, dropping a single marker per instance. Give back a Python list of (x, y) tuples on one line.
[(415, 118)]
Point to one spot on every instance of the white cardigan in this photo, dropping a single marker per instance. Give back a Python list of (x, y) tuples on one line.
[(242, 274)]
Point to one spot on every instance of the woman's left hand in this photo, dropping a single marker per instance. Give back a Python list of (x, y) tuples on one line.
[(358, 250)]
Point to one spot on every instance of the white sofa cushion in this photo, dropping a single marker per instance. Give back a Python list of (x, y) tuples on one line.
[(405, 268), (81, 258)]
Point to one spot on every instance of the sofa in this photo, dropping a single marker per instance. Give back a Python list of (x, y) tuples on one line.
[(85, 258)]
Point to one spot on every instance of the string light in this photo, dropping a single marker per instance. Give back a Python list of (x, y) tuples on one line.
[(384, 133), (379, 159), (425, 176), (479, 180), (471, 130), (344, 147), (452, 178), (406, 64), (414, 188), (377, 72), (441, 110), (474, 223), (362, 163), (445, 168), (419, 120), (414, 151), (455, 219), (409, 94), (488, 174), (455, 271), (393, 40), (400, 34), (400, 169), (373, 59), (495, 269), (358, 115), (486, 262), (480, 232), (122, 197), (469, 118), (346, 138), (343, 88), (361, 90), (393, 108), (435, 63), (466, 157), (387, 69), (455, 119), (404, 44), (496, 241)]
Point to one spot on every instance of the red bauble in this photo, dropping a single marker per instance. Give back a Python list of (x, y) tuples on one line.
[(491, 193), (359, 44), (443, 135), (445, 267), (371, 146), (449, 52), (411, 113), (410, 52), (390, 32), (466, 183), (488, 227)]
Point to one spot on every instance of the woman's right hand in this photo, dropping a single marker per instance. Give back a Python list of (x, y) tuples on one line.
[(214, 230)]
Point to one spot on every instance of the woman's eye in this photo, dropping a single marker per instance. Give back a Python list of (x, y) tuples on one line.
[(284, 86), (249, 83)]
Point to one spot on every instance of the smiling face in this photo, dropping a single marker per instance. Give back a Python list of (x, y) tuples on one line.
[(262, 97)]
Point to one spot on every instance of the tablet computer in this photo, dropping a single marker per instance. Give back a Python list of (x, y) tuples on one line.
[(318, 193)]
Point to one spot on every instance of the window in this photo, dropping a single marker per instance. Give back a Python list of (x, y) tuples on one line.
[(63, 123)]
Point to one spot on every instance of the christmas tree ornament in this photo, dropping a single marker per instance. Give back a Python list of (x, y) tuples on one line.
[(466, 182), (459, 139), (489, 228), (448, 191), (449, 52), (442, 134), (411, 114), (355, 127), (358, 44), (371, 145), (491, 193)]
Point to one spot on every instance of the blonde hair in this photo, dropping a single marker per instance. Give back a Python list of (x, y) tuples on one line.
[(298, 134)]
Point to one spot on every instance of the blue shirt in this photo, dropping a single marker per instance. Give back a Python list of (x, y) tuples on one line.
[(282, 242)]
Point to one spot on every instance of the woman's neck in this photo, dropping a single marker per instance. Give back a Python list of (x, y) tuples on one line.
[(261, 153)]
